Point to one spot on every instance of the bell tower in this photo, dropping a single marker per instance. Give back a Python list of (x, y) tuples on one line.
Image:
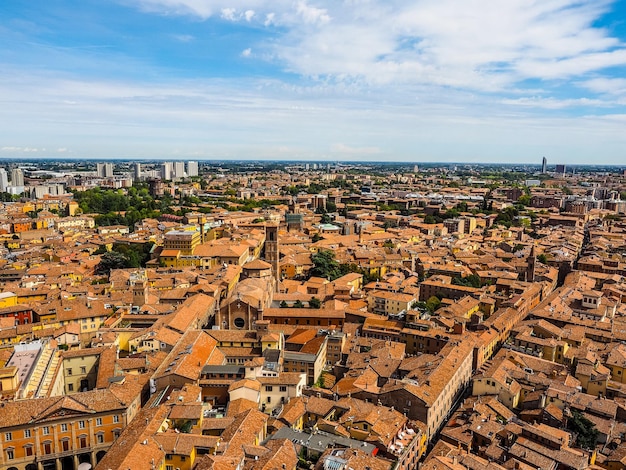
[(272, 251)]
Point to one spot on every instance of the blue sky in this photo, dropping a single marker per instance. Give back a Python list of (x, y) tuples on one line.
[(425, 80)]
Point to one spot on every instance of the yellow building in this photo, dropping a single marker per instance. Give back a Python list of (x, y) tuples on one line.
[(62, 431), (8, 299), (184, 241)]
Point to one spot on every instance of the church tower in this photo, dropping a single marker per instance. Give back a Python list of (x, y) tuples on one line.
[(272, 251), (139, 284), (530, 269)]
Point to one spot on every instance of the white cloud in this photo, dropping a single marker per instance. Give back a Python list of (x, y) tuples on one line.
[(311, 14), (468, 44), (229, 14), (553, 103), (354, 150), (246, 52), (269, 19), (612, 86), (183, 37)]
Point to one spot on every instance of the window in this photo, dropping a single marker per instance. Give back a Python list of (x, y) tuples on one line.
[(70, 387), (116, 419), (8, 436), (45, 430), (169, 467), (269, 399), (268, 388), (82, 442), (10, 454), (100, 438), (83, 370), (47, 447), (28, 450), (283, 388), (65, 445), (98, 421), (81, 424), (69, 371), (26, 432), (116, 433), (64, 427)]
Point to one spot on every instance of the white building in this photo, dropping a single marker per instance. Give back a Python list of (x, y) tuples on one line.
[(166, 171), (179, 170), (137, 171), (105, 170), (17, 177), (192, 169), (4, 180)]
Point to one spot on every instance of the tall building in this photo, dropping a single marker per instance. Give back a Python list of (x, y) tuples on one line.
[(179, 170), (560, 170), (166, 171), (17, 177), (137, 171), (192, 169), (4, 180), (272, 251), (104, 170), (544, 165)]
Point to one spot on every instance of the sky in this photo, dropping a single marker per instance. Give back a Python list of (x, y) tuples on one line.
[(352, 80)]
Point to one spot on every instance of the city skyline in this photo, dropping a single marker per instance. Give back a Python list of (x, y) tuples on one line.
[(422, 81)]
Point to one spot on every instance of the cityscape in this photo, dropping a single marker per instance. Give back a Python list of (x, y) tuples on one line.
[(313, 235), (201, 315)]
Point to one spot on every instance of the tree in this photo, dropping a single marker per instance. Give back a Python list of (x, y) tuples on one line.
[(586, 432), (316, 238), (433, 303), (111, 260), (298, 304), (314, 302), (325, 265), (388, 243), (473, 280), (283, 304), (542, 258)]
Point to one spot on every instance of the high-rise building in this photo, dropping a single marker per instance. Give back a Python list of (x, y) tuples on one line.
[(166, 171), (544, 165), (4, 180), (104, 170), (192, 169), (179, 170), (17, 177), (137, 171), (560, 170)]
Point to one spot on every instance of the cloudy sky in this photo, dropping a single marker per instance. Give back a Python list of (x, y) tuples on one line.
[(376, 80)]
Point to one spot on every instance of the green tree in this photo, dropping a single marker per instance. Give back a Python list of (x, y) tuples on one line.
[(298, 304), (542, 258), (586, 432), (283, 304), (433, 303), (316, 238), (314, 302), (325, 265), (110, 260), (472, 280)]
